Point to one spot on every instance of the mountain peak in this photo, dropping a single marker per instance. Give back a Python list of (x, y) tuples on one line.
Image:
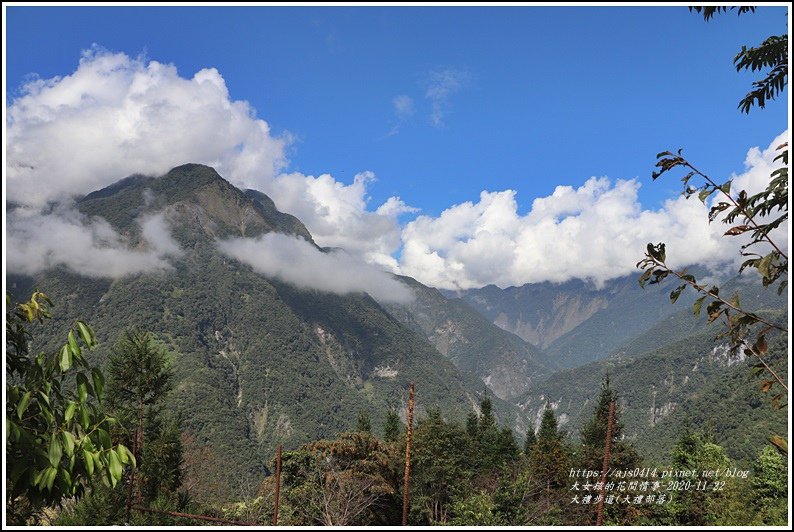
[(198, 202)]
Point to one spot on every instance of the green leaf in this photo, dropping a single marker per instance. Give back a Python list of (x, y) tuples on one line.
[(705, 193), (87, 334), (55, 451), (73, 344), (99, 381), (68, 443), (115, 466), (23, 404), (104, 438), (89, 461), (698, 303), (50, 477), (726, 188), (40, 477), (131, 456), (676, 293), (85, 420), (125, 455), (82, 387), (69, 413), (65, 359)]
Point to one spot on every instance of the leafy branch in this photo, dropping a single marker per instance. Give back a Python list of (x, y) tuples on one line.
[(774, 199), (738, 320)]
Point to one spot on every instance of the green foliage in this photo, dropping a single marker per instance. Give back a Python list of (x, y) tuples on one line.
[(770, 487), (363, 423), (57, 433), (530, 440), (475, 509), (724, 506), (550, 458), (392, 427), (337, 482), (593, 435), (141, 376), (441, 468)]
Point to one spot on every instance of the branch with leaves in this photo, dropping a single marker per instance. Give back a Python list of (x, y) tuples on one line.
[(57, 434), (739, 322), (753, 212)]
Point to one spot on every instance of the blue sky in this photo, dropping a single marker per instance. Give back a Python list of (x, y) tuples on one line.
[(549, 95), (521, 98)]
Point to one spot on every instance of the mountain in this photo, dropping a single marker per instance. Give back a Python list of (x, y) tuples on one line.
[(258, 362), (575, 322), (506, 364), (672, 375)]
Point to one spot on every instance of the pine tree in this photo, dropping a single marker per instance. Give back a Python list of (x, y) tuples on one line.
[(594, 434), (530, 440), (363, 423), (550, 457), (141, 377), (472, 423), (391, 427)]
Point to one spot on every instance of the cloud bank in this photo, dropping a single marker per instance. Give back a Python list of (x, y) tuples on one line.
[(115, 116), (87, 246), (295, 261), (597, 231)]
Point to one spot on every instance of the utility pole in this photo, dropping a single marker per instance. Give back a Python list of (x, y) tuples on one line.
[(408, 452), (278, 485)]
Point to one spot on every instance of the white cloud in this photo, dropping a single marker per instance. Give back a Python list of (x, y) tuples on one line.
[(336, 214), (442, 84), (116, 115), (403, 106), (295, 261), (88, 246), (597, 231)]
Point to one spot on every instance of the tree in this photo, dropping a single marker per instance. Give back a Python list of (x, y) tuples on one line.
[(391, 427), (441, 468), (363, 423), (550, 456), (491, 447), (530, 440), (770, 487), (57, 432), (722, 502), (754, 215), (337, 482), (141, 378), (622, 454)]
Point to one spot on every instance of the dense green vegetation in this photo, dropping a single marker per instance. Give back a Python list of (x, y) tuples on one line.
[(58, 435)]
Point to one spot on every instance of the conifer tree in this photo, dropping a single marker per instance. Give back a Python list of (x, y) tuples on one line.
[(594, 433), (550, 456), (363, 423), (391, 427), (530, 440)]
